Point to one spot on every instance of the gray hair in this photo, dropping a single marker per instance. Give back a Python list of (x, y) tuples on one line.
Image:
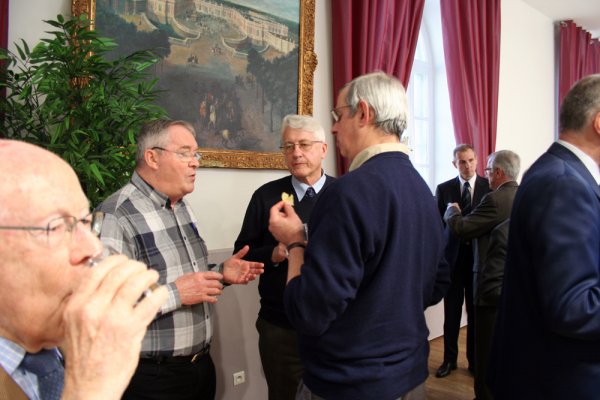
[(580, 104), (385, 95), (507, 161), (461, 148), (304, 122), (155, 134)]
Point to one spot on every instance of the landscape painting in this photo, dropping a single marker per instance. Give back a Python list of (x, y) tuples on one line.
[(231, 68)]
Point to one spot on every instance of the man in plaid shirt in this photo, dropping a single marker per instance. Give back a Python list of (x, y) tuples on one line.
[(149, 220)]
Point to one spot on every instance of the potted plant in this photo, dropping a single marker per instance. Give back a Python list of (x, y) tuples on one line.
[(66, 96)]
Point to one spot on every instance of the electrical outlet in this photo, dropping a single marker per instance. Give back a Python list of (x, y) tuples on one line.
[(239, 378)]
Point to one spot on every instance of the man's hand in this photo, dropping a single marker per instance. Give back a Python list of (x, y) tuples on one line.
[(453, 205), (279, 254), (238, 271), (285, 225), (199, 287), (105, 322)]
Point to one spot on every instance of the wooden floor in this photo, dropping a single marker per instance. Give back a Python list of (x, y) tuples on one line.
[(456, 386)]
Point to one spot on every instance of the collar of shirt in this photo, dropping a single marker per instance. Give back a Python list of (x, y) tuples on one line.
[(11, 355), (301, 187), (372, 151), (584, 158), (155, 196)]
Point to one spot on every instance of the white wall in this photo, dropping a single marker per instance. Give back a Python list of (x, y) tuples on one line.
[(526, 110), (525, 125)]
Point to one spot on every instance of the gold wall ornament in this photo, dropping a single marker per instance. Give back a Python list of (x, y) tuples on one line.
[(240, 159), (307, 64), (88, 7)]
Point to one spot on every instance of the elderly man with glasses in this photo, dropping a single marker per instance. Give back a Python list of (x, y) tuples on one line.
[(358, 286), (304, 148), (495, 207), (49, 295), (149, 220)]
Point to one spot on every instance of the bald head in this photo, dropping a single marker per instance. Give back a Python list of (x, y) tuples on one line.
[(30, 176)]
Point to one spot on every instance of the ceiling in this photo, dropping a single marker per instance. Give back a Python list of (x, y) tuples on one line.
[(585, 13)]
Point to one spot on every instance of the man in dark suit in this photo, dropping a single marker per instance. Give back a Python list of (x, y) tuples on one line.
[(547, 337), (502, 171), (460, 256), (304, 148)]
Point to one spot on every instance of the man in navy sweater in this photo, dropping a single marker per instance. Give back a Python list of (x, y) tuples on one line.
[(357, 290), (304, 148)]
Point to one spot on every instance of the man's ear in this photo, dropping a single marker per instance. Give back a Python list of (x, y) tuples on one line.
[(596, 123), (151, 158), (367, 115)]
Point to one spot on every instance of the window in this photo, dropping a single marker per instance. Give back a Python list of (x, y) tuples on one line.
[(430, 133), (420, 97)]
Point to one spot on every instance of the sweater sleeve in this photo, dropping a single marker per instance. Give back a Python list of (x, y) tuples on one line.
[(254, 232), (332, 270)]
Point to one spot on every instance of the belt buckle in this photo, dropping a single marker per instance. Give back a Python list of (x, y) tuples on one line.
[(199, 354)]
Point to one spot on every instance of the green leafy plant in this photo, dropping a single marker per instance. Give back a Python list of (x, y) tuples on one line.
[(66, 96)]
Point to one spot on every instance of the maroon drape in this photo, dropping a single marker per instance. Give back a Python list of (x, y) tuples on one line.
[(373, 35), (3, 29), (471, 30), (3, 24), (579, 56)]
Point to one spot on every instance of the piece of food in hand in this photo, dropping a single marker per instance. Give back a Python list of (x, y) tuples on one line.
[(288, 198)]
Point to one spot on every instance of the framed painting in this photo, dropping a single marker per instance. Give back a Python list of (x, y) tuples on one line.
[(232, 68)]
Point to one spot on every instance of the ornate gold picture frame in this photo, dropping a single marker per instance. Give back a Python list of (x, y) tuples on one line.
[(307, 62)]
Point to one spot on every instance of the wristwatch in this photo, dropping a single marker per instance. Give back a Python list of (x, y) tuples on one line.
[(293, 246)]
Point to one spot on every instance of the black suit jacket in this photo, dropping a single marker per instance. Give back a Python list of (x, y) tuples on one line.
[(494, 208), (449, 192), (255, 233)]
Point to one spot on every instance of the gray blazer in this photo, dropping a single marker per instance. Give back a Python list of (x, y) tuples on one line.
[(494, 208), (492, 273)]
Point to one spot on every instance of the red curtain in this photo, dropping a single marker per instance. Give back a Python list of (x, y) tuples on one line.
[(3, 32), (579, 56), (471, 30), (373, 35), (3, 23)]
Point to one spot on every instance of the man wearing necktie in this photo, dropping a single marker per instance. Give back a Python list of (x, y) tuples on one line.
[(304, 148), (49, 295), (467, 189)]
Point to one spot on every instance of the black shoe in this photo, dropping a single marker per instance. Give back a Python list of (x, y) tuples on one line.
[(445, 369)]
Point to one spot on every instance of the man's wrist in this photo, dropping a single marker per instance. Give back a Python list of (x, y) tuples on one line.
[(295, 245)]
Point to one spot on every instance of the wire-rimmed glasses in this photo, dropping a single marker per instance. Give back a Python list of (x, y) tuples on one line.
[(57, 228), (334, 113), (184, 156), (304, 145)]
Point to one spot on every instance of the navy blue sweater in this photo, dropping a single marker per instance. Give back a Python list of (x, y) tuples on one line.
[(374, 262)]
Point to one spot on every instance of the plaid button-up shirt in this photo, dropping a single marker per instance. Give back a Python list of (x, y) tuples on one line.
[(141, 223)]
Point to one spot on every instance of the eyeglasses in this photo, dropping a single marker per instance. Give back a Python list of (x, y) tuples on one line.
[(58, 228), (304, 145), (488, 170), (184, 156), (334, 113)]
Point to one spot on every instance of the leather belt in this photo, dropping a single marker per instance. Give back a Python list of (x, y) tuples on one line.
[(191, 359)]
